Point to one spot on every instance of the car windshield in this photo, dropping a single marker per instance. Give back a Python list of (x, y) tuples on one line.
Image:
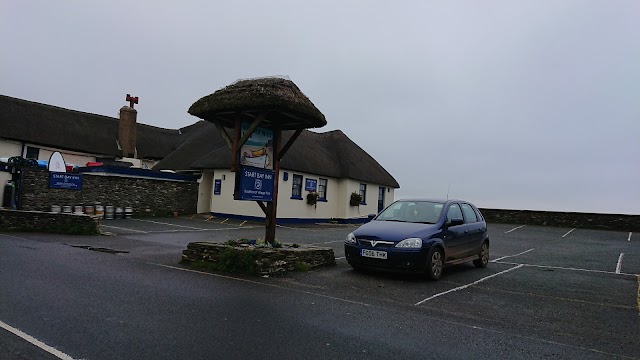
[(425, 212)]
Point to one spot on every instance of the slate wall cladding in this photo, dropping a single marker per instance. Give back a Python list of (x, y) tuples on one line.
[(37, 221), (147, 197), (564, 219)]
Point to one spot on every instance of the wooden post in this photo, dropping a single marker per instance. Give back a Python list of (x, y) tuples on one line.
[(234, 149), (270, 232)]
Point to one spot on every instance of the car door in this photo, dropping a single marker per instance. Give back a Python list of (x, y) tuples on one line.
[(475, 230), (454, 234)]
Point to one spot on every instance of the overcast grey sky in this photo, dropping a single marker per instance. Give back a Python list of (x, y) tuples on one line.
[(516, 104)]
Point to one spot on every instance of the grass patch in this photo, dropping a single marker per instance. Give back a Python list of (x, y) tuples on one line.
[(302, 266)]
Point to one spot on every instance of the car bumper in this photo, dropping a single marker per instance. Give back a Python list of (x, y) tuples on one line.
[(405, 260)]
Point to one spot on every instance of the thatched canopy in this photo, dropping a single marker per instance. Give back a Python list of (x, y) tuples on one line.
[(286, 106)]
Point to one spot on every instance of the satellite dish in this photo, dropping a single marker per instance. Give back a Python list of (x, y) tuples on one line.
[(56, 163)]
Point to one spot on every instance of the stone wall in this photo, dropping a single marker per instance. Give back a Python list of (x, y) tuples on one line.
[(564, 219), (146, 196), (37, 221), (265, 260)]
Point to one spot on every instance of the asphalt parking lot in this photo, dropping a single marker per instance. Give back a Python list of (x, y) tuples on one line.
[(571, 287)]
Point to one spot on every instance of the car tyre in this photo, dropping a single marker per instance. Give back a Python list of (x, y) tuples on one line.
[(435, 263), (483, 261)]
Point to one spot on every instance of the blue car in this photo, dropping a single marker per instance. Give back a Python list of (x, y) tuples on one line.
[(420, 236)]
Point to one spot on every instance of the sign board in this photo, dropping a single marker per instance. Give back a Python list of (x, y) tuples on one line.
[(255, 184), (217, 185), (56, 163), (258, 150), (311, 185), (65, 181)]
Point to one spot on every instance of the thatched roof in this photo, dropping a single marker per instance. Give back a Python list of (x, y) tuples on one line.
[(285, 104), (331, 154), (66, 129)]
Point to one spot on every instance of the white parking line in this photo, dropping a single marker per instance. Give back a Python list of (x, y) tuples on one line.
[(514, 229), (162, 223), (36, 342), (629, 238), (466, 286), (121, 228), (508, 256), (340, 258), (566, 268), (568, 232), (202, 230), (260, 283), (619, 264)]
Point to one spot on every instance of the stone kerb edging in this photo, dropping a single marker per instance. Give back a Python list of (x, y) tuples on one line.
[(259, 260), (46, 222)]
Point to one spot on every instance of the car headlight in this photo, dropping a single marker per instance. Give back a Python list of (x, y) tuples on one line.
[(410, 243), (351, 239)]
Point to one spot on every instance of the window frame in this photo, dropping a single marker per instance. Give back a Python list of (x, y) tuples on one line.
[(322, 196), (31, 149), (363, 193), (299, 187)]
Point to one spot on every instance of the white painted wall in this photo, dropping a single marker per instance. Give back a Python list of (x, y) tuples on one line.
[(10, 148), (205, 190), (69, 157), (336, 206)]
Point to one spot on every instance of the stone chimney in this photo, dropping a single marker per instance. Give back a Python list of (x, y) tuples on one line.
[(127, 131)]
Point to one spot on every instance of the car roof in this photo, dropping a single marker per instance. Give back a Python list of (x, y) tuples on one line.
[(443, 201)]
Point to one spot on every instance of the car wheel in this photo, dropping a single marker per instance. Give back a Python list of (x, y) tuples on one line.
[(435, 263), (483, 261)]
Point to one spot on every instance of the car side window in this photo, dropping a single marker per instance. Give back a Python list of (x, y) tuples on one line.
[(469, 214), (454, 212)]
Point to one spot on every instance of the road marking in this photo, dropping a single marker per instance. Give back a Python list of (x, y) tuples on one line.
[(340, 258), (242, 223), (467, 285), (15, 237), (260, 283), (163, 223), (508, 256), (629, 238), (36, 342), (201, 230), (514, 229), (224, 221), (619, 265), (565, 268), (568, 232), (209, 218), (121, 228)]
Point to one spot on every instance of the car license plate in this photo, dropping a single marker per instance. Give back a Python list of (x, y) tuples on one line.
[(374, 254)]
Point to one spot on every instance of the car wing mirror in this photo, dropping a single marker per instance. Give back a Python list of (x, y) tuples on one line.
[(371, 216), (455, 222)]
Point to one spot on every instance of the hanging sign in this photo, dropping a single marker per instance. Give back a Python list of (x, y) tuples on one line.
[(255, 184), (217, 185), (65, 181), (258, 150), (311, 185)]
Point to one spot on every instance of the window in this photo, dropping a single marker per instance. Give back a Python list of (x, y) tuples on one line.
[(32, 153), (322, 189), (454, 213), (296, 187), (469, 214), (363, 193)]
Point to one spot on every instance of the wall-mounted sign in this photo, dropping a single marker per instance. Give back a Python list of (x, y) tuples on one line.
[(56, 163), (258, 150), (65, 181), (311, 185), (255, 184), (217, 185)]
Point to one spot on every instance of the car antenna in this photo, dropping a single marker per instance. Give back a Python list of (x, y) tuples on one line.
[(448, 187)]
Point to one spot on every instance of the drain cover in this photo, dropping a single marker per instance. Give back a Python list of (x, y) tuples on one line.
[(96, 248)]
